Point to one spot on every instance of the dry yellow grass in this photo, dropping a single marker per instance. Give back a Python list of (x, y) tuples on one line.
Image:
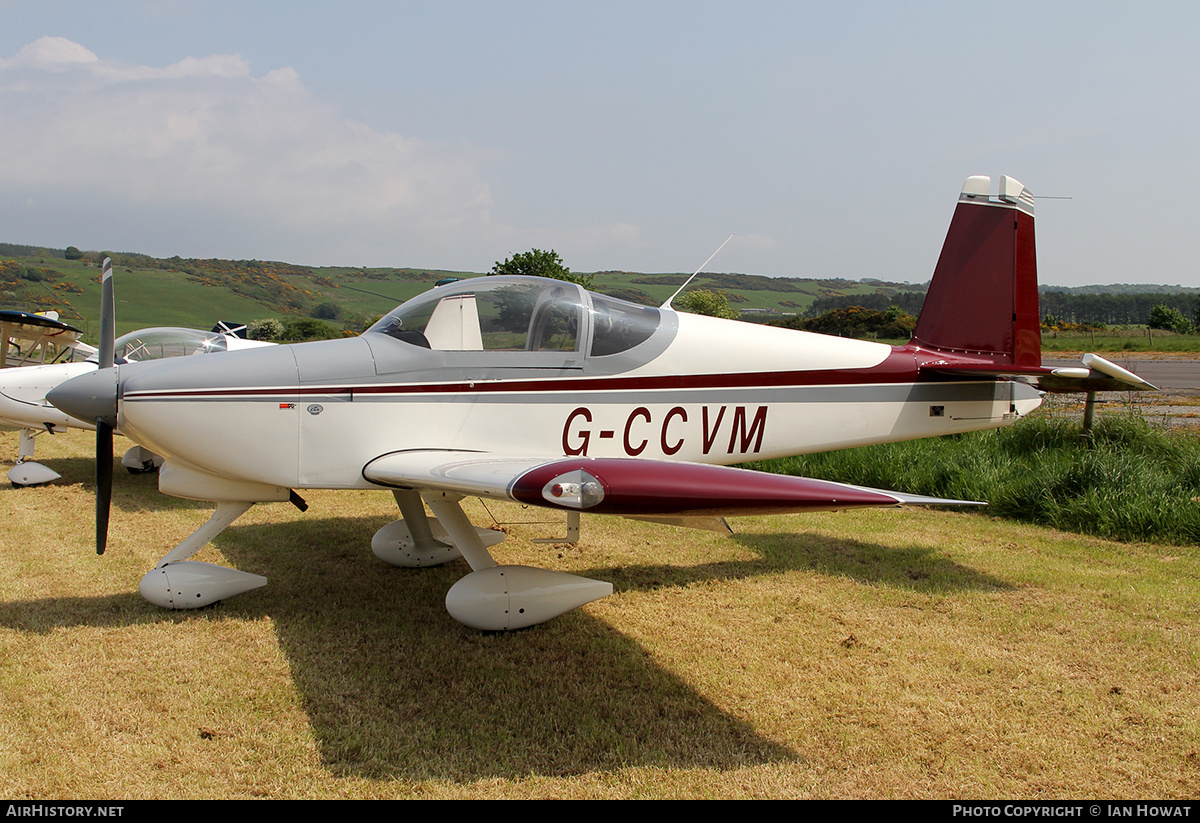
[(876, 654)]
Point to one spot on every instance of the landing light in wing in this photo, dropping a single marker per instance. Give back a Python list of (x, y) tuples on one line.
[(576, 489)]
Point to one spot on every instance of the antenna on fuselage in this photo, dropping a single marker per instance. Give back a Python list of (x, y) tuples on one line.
[(667, 305)]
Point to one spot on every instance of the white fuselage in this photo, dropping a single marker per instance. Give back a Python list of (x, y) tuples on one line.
[(23, 391), (722, 392)]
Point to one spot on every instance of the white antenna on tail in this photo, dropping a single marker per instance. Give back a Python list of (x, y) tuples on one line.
[(667, 305)]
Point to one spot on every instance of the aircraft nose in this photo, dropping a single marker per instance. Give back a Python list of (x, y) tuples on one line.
[(89, 397)]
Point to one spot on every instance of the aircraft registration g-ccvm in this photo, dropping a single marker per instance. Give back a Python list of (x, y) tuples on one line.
[(538, 391)]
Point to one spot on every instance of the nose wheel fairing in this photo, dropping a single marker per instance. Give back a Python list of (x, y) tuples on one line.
[(188, 584)]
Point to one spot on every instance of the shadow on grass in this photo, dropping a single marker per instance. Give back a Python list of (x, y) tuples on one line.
[(394, 688), (50, 613), (131, 492), (72, 469), (914, 567)]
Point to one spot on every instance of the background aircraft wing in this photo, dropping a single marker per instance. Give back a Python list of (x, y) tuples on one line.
[(26, 336), (627, 486)]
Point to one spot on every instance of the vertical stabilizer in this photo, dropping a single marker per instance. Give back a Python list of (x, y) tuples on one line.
[(982, 302)]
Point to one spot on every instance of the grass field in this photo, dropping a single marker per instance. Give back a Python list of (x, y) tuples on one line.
[(913, 653), (1129, 480), (1136, 339)]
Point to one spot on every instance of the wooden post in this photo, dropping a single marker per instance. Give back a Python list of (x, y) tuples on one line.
[(1089, 415)]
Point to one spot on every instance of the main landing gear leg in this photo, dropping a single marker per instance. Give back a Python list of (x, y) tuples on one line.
[(417, 541), (179, 583), (500, 598)]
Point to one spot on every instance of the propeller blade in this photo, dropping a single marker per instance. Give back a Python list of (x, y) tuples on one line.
[(104, 480), (104, 427), (108, 317)]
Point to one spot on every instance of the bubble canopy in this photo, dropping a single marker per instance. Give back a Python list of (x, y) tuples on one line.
[(529, 314), (157, 343)]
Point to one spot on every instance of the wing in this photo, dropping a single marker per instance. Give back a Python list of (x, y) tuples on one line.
[(628, 486), (23, 336)]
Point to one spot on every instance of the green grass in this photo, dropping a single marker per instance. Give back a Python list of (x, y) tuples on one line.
[(1130, 482), (883, 653), (1128, 340)]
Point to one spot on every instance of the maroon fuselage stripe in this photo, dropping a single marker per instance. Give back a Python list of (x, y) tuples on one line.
[(565, 384), (899, 367), (894, 369)]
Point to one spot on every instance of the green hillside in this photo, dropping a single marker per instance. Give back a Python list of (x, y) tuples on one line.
[(188, 292), (198, 293)]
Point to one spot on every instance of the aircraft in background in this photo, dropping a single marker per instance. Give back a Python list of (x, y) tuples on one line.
[(23, 403), (37, 338), (540, 392)]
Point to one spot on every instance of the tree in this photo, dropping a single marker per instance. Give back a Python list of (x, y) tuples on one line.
[(704, 301), (1168, 318), (327, 311), (856, 321), (300, 329), (73, 253), (538, 263)]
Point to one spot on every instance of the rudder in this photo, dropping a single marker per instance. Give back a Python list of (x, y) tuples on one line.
[(982, 302)]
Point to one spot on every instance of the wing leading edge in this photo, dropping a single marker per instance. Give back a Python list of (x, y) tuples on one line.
[(628, 487)]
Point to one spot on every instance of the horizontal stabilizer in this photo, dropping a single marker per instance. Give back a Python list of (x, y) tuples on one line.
[(1095, 374)]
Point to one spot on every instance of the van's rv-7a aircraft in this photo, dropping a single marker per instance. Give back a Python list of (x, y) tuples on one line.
[(537, 391)]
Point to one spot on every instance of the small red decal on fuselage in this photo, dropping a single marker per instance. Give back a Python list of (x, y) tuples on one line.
[(744, 430)]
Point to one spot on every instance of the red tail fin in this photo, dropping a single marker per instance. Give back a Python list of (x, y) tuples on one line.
[(982, 301)]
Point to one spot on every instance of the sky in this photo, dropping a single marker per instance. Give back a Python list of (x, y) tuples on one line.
[(831, 139)]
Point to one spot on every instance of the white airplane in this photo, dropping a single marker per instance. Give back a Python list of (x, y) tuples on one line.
[(537, 391), (23, 403)]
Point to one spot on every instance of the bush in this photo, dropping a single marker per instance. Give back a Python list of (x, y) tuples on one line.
[(705, 301), (266, 328), (300, 329), (1169, 319)]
